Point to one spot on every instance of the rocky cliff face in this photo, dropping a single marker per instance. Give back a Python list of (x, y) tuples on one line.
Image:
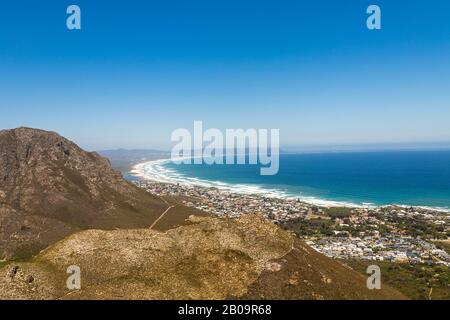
[(49, 188)]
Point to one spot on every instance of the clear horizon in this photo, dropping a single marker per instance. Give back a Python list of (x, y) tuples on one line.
[(423, 146), (137, 71)]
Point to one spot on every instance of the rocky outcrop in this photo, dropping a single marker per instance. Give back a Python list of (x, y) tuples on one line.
[(49, 188), (210, 258)]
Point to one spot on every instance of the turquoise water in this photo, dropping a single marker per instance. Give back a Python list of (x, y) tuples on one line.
[(376, 178)]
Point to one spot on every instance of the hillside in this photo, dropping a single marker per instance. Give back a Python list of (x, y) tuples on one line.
[(50, 188), (209, 258), (62, 206)]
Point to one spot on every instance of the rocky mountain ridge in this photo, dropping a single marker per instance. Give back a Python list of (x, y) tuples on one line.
[(50, 188)]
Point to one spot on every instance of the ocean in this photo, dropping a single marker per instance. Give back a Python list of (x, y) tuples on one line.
[(412, 178)]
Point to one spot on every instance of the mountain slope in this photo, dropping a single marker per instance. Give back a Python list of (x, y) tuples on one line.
[(210, 258), (51, 191), (50, 188)]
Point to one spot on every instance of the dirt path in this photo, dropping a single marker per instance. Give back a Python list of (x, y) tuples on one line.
[(162, 214)]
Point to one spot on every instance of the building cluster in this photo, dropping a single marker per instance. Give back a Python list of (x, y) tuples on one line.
[(401, 249), (373, 233), (227, 203)]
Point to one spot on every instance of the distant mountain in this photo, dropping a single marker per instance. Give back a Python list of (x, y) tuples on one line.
[(124, 159), (50, 188), (127, 154)]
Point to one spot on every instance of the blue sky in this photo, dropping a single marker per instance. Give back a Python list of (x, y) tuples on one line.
[(140, 69)]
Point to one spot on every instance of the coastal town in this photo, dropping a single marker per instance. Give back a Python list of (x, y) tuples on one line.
[(390, 233)]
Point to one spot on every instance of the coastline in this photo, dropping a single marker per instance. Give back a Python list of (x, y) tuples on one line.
[(379, 233), (154, 170)]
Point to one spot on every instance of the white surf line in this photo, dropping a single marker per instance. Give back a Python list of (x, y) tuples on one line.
[(138, 170), (243, 189)]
